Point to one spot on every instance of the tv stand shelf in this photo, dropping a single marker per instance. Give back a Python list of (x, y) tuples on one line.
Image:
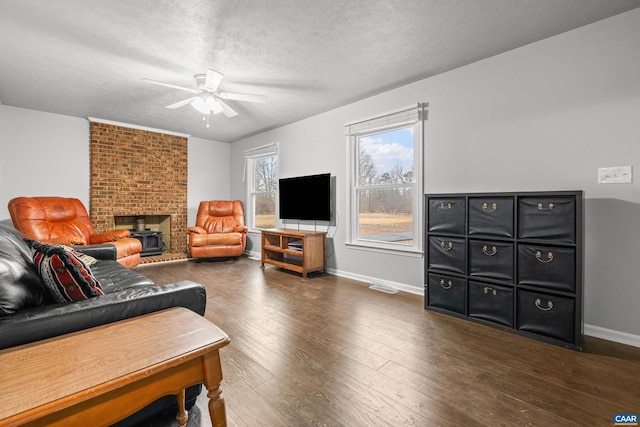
[(301, 251)]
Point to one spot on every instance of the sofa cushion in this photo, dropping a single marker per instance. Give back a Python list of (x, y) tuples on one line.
[(20, 284), (64, 272), (113, 277)]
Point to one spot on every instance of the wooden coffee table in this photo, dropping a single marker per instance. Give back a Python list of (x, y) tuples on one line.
[(101, 375)]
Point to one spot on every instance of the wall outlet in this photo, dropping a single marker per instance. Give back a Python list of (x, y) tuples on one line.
[(615, 175)]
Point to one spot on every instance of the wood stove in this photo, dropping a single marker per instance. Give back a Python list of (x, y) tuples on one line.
[(149, 229), (151, 241)]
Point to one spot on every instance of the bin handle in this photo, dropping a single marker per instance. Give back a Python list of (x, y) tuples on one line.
[(485, 207), (445, 205), (449, 283), (448, 247), (549, 305), (542, 208), (485, 250), (549, 257), (488, 290)]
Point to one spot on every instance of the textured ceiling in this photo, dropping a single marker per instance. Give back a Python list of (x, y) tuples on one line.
[(88, 58)]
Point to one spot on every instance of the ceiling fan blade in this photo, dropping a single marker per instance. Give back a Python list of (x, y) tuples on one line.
[(155, 82), (181, 103), (261, 99), (228, 111), (213, 80)]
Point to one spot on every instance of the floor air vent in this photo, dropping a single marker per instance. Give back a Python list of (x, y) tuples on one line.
[(383, 288)]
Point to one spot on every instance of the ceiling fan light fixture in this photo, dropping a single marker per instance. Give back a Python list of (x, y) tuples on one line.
[(200, 104), (213, 105)]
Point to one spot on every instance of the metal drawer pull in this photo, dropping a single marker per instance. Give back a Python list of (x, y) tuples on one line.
[(485, 250), (485, 207), (542, 208), (549, 305), (445, 205), (446, 248), (549, 257), (488, 289), (448, 284)]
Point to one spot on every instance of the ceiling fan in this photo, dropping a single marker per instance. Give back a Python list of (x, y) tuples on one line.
[(208, 100)]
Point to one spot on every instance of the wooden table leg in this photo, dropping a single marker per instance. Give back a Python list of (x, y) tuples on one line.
[(213, 383), (182, 415)]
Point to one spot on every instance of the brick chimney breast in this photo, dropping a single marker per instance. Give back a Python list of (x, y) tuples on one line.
[(138, 172)]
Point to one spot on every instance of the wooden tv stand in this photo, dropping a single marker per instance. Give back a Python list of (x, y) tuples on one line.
[(296, 250)]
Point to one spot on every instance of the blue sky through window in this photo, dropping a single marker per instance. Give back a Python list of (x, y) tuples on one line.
[(388, 148)]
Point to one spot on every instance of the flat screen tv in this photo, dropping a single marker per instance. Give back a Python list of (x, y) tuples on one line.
[(306, 197)]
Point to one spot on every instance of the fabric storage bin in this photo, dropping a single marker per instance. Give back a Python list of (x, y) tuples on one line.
[(492, 260), (547, 267), (547, 218), (447, 215), (491, 302), (447, 254), (449, 293), (492, 216), (547, 315)]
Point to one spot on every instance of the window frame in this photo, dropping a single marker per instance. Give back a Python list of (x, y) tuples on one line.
[(353, 239), (250, 168)]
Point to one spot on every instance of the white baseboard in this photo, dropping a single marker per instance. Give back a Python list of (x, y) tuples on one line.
[(359, 277), (387, 283), (611, 335)]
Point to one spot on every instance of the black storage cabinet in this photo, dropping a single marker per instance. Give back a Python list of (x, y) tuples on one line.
[(510, 260)]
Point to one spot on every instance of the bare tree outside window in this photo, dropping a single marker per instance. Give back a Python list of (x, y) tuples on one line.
[(386, 181), (265, 187)]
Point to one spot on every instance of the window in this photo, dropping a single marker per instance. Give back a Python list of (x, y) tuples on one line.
[(385, 194), (262, 185)]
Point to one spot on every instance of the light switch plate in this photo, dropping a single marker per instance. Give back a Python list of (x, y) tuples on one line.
[(615, 175)]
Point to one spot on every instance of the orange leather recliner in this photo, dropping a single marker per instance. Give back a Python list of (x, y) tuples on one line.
[(219, 230), (60, 220)]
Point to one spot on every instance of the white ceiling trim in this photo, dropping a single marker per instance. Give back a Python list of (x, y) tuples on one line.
[(145, 128)]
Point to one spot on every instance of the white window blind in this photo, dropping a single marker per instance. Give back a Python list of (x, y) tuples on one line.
[(407, 115), (261, 151), (257, 152)]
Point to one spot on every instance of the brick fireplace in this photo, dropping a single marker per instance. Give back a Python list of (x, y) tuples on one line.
[(139, 173)]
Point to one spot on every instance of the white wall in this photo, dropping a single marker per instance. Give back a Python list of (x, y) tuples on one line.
[(44, 154), (543, 117), (208, 173)]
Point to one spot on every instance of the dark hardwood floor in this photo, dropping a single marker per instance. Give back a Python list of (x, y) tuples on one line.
[(330, 351)]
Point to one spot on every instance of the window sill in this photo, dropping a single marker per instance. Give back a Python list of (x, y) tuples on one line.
[(372, 247)]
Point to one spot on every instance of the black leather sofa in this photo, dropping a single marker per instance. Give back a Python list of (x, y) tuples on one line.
[(28, 314)]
